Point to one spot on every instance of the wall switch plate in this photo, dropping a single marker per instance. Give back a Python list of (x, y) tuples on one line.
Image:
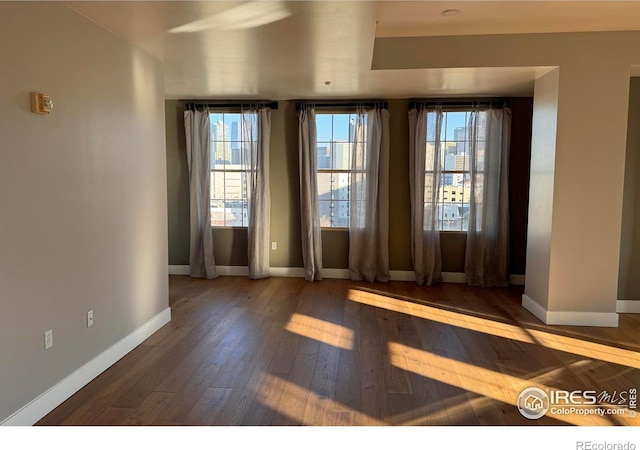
[(274, 246), (90, 319), (48, 339), (41, 103)]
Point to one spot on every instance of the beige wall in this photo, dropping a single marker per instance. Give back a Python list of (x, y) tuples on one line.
[(230, 245), (587, 216), (590, 145), (543, 148), (629, 282), (82, 194)]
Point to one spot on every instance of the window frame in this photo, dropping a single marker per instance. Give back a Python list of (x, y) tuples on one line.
[(347, 111), (244, 198), (443, 142)]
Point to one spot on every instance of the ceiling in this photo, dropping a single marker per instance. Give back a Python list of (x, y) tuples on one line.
[(291, 49)]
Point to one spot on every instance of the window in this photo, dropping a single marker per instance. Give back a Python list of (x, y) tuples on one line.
[(229, 199), (455, 183), (334, 146)]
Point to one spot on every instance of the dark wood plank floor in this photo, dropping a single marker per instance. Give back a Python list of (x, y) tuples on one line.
[(283, 351)]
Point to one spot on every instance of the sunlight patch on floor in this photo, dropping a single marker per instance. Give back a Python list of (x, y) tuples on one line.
[(485, 382), (321, 330), (287, 398), (552, 341), (460, 406)]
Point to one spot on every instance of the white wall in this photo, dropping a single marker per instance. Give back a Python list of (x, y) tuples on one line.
[(83, 220), (543, 149)]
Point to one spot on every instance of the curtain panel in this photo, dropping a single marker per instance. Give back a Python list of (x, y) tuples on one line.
[(309, 207), (487, 252), (201, 260), (256, 134), (488, 133), (369, 197), (425, 170)]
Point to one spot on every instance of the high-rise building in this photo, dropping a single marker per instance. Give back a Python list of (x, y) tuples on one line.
[(236, 149), (462, 162), (235, 131), (461, 136), (449, 164), (220, 145), (323, 159), (341, 154), (454, 194), (236, 154)]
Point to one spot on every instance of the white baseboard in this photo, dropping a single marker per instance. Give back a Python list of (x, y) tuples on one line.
[(454, 277), (233, 271), (402, 275), (288, 272), (587, 319), (628, 306), (448, 277), (343, 274), (572, 318), (534, 308), (179, 270), (49, 400), (340, 274)]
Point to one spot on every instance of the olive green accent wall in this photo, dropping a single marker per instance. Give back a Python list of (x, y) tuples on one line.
[(335, 249), (628, 281), (399, 198), (519, 171), (231, 244), (285, 187), (177, 184)]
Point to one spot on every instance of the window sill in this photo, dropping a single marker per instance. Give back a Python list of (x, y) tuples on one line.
[(229, 228)]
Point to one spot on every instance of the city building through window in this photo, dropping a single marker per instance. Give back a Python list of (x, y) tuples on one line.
[(334, 146), (229, 197), (455, 183)]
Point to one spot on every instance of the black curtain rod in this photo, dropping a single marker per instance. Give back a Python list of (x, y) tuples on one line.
[(367, 104), (469, 103), (272, 105)]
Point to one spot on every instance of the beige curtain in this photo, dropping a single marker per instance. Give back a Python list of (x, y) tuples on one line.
[(256, 134), (369, 197), (309, 208), (425, 169), (201, 261), (487, 253)]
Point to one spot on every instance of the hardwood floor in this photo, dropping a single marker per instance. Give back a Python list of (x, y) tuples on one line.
[(284, 351)]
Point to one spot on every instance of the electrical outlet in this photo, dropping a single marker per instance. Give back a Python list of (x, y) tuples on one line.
[(48, 339), (90, 319), (274, 246)]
